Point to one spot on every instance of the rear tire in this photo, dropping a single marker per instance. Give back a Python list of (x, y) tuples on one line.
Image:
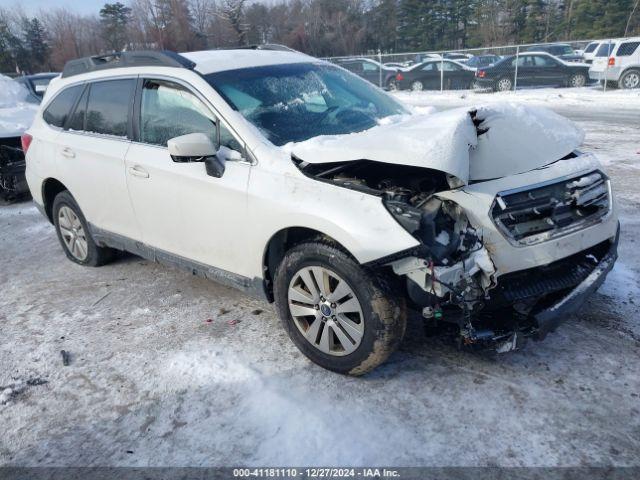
[(348, 318), (74, 234), (630, 80)]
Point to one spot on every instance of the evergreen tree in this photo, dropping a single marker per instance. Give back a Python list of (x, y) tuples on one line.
[(35, 44), (114, 18)]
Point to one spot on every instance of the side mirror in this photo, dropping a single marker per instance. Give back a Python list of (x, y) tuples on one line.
[(193, 147)]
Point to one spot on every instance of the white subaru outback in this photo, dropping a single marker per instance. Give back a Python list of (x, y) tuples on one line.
[(292, 179)]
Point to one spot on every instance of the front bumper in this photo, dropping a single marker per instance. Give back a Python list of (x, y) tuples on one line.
[(548, 319)]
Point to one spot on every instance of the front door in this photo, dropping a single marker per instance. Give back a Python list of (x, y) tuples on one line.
[(181, 210)]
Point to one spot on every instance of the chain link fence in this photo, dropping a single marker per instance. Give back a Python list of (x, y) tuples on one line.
[(576, 64)]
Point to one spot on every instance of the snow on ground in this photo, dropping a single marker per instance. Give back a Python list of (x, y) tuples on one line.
[(586, 97), (168, 369)]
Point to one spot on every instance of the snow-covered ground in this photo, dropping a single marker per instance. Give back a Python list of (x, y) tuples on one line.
[(168, 369)]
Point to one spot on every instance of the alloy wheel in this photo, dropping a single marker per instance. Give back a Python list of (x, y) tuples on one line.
[(504, 84), (417, 86), (326, 311), (578, 81), (631, 80), (73, 233)]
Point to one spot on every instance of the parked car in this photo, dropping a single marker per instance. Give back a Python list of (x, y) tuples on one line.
[(563, 51), (479, 61), (618, 63), (534, 69), (589, 52), (17, 109), (430, 74), (370, 70), (37, 84), (297, 181)]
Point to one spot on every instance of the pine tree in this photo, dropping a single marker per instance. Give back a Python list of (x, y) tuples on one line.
[(114, 18), (35, 44)]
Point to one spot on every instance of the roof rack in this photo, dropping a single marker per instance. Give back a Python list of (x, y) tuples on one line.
[(142, 58)]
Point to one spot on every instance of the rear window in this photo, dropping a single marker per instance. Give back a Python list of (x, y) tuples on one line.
[(604, 50), (58, 110), (627, 48), (590, 48), (108, 107)]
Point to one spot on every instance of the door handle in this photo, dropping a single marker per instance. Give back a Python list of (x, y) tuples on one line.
[(67, 152), (138, 171)]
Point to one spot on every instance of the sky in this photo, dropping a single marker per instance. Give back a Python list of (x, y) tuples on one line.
[(79, 6)]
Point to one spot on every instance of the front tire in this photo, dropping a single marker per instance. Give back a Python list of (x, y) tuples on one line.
[(504, 85), (342, 316), (417, 86), (74, 234), (630, 80)]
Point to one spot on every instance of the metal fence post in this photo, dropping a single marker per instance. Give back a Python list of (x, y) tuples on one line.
[(380, 68), (606, 67), (515, 80), (442, 72)]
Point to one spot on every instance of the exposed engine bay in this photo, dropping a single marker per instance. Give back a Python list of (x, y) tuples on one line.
[(451, 267), (450, 276), (13, 184)]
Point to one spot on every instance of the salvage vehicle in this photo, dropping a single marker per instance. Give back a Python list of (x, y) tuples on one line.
[(297, 181), (17, 109), (531, 69)]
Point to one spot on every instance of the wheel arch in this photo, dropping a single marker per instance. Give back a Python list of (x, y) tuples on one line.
[(50, 188), (283, 240)]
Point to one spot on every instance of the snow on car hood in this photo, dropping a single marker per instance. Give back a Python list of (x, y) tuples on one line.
[(509, 139), (16, 112)]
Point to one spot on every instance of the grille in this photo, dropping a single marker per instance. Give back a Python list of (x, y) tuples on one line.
[(539, 213)]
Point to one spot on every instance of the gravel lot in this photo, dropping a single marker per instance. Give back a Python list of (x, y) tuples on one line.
[(168, 369)]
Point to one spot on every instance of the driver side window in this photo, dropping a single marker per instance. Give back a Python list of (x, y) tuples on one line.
[(168, 110)]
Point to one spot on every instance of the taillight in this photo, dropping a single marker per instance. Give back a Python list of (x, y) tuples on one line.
[(612, 61), (25, 139), (480, 73), (399, 77)]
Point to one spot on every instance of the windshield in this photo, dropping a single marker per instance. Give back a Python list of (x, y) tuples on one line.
[(295, 102)]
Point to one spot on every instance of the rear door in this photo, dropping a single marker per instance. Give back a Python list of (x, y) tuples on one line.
[(526, 71), (91, 151), (182, 210)]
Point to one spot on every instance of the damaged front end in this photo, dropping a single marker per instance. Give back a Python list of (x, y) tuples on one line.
[(13, 184), (475, 275), (451, 268)]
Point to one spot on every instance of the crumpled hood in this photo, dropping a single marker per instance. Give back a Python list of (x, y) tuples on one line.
[(496, 141)]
